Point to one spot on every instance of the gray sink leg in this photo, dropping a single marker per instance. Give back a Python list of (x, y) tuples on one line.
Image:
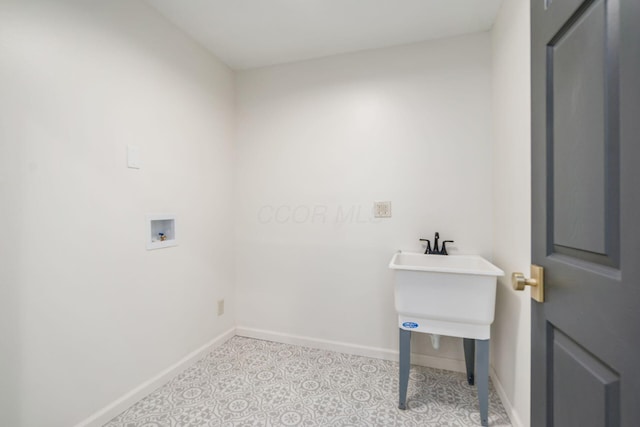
[(470, 358), (405, 364), (482, 378)]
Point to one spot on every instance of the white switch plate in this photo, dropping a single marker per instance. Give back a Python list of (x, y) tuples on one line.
[(382, 209), (133, 156)]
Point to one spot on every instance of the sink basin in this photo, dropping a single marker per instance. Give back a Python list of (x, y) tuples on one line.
[(445, 294)]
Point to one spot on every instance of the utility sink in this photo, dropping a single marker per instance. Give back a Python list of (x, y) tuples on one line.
[(450, 295)]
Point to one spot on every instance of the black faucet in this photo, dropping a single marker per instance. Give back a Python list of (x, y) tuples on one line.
[(436, 250)]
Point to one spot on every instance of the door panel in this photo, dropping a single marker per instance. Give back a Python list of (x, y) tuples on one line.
[(583, 135), (585, 59), (578, 376), (575, 95)]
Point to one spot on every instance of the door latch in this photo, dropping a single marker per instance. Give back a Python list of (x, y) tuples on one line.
[(519, 281)]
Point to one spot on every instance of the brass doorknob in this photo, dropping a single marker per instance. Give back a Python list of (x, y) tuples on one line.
[(519, 281)]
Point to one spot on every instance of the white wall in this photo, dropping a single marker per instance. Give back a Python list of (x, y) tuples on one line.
[(86, 312), (317, 142), (511, 202)]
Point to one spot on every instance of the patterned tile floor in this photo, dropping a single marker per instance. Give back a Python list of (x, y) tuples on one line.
[(248, 382)]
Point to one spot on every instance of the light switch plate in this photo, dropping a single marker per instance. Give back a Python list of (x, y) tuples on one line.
[(382, 209), (133, 156)]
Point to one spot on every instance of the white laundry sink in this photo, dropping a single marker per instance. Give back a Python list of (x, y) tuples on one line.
[(445, 294)]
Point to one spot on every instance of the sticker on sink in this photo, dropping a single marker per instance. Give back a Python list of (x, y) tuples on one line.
[(410, 325)]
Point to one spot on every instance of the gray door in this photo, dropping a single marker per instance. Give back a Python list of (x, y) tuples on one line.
[(585, 60)]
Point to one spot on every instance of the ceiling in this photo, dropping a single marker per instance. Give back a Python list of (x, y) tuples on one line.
[(255, 33)]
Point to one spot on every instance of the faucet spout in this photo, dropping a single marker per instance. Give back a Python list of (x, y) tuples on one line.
[(436, 249)]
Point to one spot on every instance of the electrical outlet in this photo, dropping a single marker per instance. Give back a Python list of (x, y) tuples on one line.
[(220, 307), (382, 209)]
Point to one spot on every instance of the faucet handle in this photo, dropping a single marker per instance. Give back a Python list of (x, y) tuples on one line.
[(428, 249), (444, 247)]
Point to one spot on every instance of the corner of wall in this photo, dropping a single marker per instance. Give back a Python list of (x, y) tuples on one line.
[(511, 203)]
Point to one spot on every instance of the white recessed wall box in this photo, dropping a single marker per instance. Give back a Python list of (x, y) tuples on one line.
[(161, 231)]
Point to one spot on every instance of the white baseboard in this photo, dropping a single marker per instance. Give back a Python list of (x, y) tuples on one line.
[(348, 348), (107, 413), (513, 414), (445, 363)]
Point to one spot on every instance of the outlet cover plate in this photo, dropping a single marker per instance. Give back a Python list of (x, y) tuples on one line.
[(133, 157), (382, 209)]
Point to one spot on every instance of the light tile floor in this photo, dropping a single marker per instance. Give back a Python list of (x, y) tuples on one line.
[(248, 382)]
